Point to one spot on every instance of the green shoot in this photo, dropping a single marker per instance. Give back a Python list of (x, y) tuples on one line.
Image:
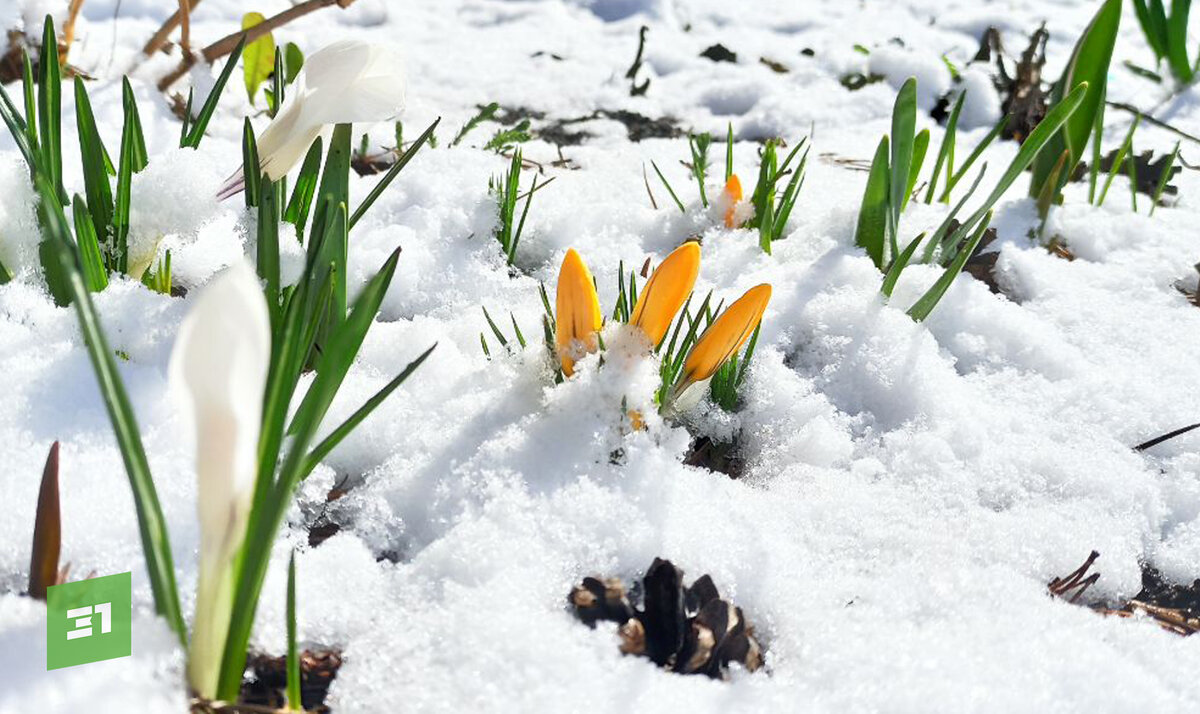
[(1162, 180), (670, 190), (505, 139), (770, 217), (196, 128), (698, 145), (945, 155), (293, 656), (1119, 160), (484, 114), (506, 189)]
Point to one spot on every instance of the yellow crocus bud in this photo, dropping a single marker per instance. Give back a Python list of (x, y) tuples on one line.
[(577, 312), (733, 196), (666, 291), (725, 336)]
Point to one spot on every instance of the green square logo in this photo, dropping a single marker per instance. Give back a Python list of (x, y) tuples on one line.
[(89, 621)]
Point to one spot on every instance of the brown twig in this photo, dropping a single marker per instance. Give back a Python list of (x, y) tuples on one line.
[(180, 16), (1059, 587), (226, 44)]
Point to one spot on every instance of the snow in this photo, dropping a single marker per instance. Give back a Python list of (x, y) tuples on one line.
[(909, 489)]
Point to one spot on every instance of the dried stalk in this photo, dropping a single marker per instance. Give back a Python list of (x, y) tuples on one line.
[(180, 16)]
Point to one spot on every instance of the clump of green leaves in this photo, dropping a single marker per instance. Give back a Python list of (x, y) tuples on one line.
[(507, 190), (893, 175), (1088, 67), (1167, 35), (101, 215), (773, 207)]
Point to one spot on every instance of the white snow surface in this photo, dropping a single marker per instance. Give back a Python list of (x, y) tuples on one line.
[(910, 488)]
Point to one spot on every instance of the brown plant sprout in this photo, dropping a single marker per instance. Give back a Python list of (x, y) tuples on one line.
[(1060, 587), (687, 630), (47, 533)]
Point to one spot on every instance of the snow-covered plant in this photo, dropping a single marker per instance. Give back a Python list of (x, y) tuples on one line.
[(1167, 35), (244, 377), (506, 189), (1088, 67), (772, 208), (102, 220)]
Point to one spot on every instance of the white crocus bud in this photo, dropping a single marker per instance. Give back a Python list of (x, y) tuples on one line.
[(348, 81), (220, 363)]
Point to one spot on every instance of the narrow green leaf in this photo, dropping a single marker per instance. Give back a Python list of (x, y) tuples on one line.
[(293, 656), (898, 265), (1164, 178), (151, 524), (946, 152), (132, 118), (293, 59), (378, 189), (50, 107), (306, 186), (1119, 159), (924, 306), (95, 173), (200, 125), (920, 147), (1177, 42), (956, 176), (669, 189), (323, 449), (251, 174), (95, 274), (268, 245), (1088, 67), (873, 214), (904, 129)]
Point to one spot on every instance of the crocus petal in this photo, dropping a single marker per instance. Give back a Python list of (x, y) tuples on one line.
[(345, 82), (732, 195), (726, 335), (220, 363), (577, 312), (666, 291)]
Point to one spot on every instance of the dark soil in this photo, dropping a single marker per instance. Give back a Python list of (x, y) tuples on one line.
[(267, 683)]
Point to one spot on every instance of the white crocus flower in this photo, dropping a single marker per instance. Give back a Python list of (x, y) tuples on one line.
[(345, 82), (220, 363)]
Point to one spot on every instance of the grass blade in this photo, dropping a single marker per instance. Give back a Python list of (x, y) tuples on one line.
[(293, 657), (91, 259), (924, 306), (945, 155), (200, 125), (1162, 180), (151, 524), (378, 189), (323, 449)]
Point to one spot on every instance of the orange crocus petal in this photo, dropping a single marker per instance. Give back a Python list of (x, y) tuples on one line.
[(726, 335), (577, 312), (733, 194), (666, 291)]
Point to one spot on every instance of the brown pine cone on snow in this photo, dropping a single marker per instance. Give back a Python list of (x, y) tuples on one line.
[(689, 630)]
